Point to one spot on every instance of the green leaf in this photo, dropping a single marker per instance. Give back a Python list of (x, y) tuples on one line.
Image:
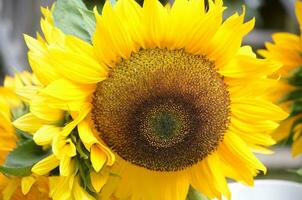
[(296, 77), (22, 136), (74, 18), (195, 195), (293, 95), (296, 108), (299, 171), (90, 4), (20, 161)]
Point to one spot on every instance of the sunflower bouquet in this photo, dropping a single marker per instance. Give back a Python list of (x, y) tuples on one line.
[(141, 102)]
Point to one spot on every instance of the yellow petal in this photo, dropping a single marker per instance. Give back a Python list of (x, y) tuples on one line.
[(98, 180), (26, 183), (246, 66), (239, 148), (45, 134), (297, 147), (86, 134), (78, 67), (67, 91), (247, 51), (79, 193), (52, 34), (155, 27), (204, 27), (62, 147), (88, 139), (55, 105), (40, 61), (44, 110), (29, 123), (46, 165), (299, 12), (131, 13), (65, 165), (61, 187), (265, 126), (287, 39), (79, 46), (109, 46), (203, 172), (47, 14), (98, 158), (80, 117), (255, 138), (232, 162), (260, 149), (251, 109), (214, 165), (27, 92), (227, 41), (5, 119), (10, 189)]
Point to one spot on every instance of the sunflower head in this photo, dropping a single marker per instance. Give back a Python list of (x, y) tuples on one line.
[(158, 99), (170, 109)]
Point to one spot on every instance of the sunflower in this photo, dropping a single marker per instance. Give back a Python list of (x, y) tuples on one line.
[(16, 188), (287, 49), (163, 98)]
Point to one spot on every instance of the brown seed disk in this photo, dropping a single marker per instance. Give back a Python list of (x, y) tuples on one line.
[(161, 109)]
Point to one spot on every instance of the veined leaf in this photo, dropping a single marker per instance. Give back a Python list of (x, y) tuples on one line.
[(74, 18), (20, 161)]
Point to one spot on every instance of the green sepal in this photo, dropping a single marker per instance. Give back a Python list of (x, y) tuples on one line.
[(193, 194), (20, 161), (74, 18), (85, 176)]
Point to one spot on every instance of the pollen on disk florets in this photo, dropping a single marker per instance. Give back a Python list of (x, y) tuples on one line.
[(161, 109)]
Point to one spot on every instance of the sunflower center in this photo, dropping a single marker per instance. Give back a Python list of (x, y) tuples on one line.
[(164, 110), (164, 125), (163, 122)]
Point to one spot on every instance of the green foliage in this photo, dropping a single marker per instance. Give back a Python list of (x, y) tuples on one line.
[(299, 171), (296, 108), (195, 195), (293, 95), (83, 164), (74, 18), (296, 77), (20, 161), (90, 4)]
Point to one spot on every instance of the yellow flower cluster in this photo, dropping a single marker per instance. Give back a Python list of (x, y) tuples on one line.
[(287, 49)]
